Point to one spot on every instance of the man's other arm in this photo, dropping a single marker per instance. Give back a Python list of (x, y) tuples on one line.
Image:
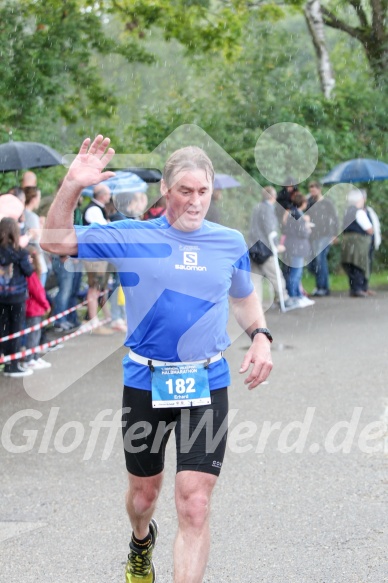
[(249, 314)]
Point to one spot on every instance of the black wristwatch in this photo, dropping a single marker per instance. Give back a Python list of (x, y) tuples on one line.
[(264, 331)]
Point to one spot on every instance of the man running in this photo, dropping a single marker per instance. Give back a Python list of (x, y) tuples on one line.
[(179, 273)]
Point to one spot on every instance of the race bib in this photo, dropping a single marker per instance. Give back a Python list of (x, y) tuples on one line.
[(185, 385)]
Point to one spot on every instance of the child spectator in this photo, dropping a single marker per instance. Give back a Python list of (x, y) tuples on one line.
[(36, 306), (15, 267)]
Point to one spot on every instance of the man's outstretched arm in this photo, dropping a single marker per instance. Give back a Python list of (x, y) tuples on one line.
[(58, 235), (249, 314)]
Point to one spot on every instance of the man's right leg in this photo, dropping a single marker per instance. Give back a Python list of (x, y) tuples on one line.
[(145, 435), (140, 501)]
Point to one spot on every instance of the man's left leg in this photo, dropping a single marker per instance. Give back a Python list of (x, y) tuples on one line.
[(193, 491), (201, 441)]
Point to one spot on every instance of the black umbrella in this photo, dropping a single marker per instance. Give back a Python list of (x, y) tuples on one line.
[(149, 175), (22, 155)]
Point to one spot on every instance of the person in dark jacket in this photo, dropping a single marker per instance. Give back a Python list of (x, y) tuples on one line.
[(263, 223), (356, 241), (297, 231), (324, 217), (284, 198), (15, 267), (37, 305)]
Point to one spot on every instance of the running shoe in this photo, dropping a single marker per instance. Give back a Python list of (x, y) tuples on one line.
[(140, 568)]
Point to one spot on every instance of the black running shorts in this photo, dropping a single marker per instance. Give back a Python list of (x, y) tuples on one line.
[(200, 433)]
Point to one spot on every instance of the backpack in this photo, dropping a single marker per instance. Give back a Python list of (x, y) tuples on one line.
[(6, 275)]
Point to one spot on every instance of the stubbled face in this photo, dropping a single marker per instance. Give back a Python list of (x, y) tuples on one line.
[(315, 192), (188, 199)]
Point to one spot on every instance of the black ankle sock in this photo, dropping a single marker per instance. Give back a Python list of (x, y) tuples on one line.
[(143, 543)]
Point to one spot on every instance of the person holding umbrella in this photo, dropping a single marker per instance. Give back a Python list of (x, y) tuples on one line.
[(29, 179)]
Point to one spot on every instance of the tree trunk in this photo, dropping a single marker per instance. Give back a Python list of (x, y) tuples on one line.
[(314, 19), (371, 33)]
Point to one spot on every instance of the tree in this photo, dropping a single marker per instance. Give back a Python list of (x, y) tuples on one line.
[(313, 14), (371, 29), (205, 26), (48, 56)]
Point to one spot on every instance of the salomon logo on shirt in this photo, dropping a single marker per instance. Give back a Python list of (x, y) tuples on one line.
[(190, 262)]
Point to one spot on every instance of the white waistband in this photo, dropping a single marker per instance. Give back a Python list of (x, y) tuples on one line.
[(147, 361)]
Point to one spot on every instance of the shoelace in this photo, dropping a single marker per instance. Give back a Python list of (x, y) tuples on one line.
[(139, 564)]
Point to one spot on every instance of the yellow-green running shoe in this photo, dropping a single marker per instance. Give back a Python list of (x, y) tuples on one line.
[(140, 568)]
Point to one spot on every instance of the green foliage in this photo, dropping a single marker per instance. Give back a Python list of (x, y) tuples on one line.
[(274, 80), (50, 72), (233, 67), (47, 57)]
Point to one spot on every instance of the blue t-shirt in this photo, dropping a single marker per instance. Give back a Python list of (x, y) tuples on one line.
[(176, 287)]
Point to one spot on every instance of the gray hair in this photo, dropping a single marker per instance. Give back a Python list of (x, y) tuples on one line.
[(188, 158), (354, 197)]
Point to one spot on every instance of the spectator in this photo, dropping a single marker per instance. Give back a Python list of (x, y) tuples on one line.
[(156, 210), (324, 218), (125, 206), (33, 227), (284, 197), (15, 267), (36, 306), (297, 231), (19, 193), (214, 213), (263, 223), (97, 271), (356, 242), (68, 272), (29, 179), (376, 237), (77, 271)]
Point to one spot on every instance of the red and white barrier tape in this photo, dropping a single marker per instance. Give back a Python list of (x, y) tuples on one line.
[(44, 322), (41, 324), (85, 328)]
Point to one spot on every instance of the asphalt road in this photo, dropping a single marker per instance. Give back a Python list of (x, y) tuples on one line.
[(300, 503)]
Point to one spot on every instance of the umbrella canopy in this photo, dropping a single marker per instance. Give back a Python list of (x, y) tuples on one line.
[(22, 155), (122, 182), (149, 175), (222, 181), (358, 170)]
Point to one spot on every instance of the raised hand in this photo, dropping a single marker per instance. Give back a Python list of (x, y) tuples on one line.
[(86, 168)]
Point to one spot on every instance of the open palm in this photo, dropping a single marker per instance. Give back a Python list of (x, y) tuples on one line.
[(86, 168)]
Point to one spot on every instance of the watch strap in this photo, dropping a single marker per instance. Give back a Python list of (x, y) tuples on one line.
[(264, 331)]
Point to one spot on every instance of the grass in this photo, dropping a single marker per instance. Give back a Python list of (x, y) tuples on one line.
[(339, 281)]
